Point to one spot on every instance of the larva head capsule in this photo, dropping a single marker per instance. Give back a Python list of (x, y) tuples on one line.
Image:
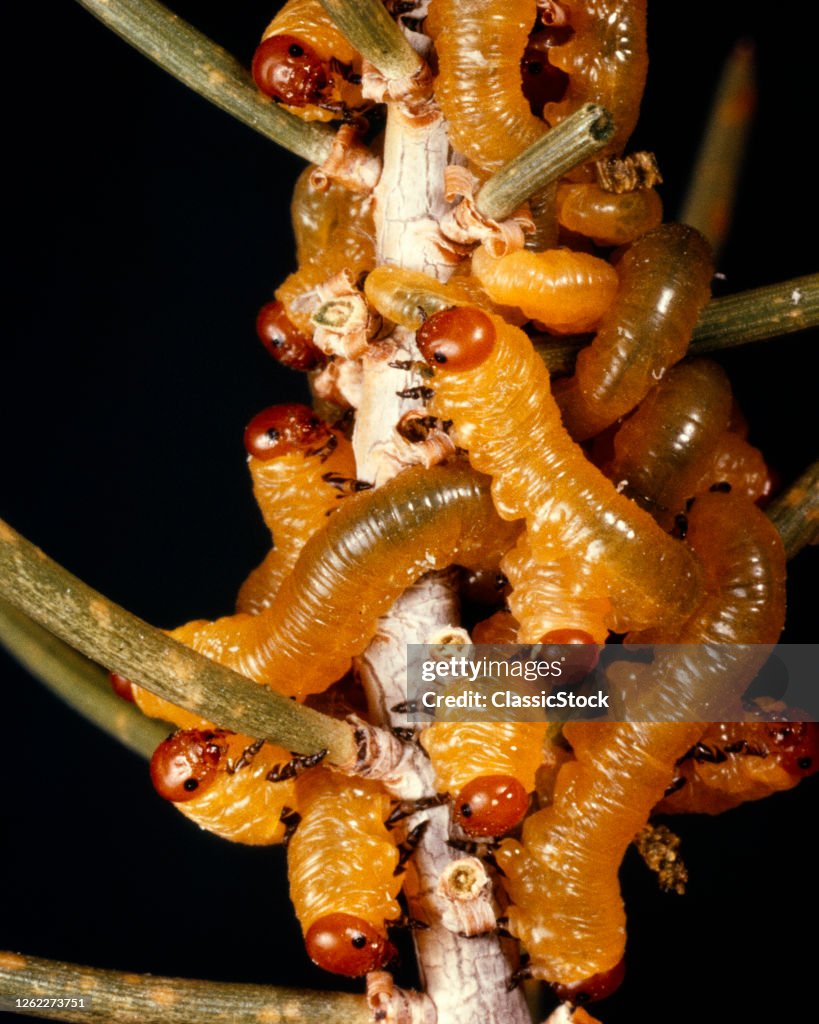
[(282, 429), (185, 764), (456, 339), (796, 745), (289, 70), (348, 945), (284, 341), (591, 990), (491, 805), (121, 686)]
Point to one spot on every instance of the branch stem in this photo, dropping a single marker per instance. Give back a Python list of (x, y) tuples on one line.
[(199, 63), (755, 315), (370, 30), (146, 999), (569, 143), (108, 634), (796, 512), (83, 685), (709, 202)]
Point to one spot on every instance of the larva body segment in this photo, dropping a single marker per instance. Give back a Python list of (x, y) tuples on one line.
[(566, 291), (739, 761), (334, 231), (606, 217), (366, 555), (305, 24), (664, 283), (295, 493), (463, 751), (408, 297), (480, 44), (500, 628), (562, 876), (606, 61), (235, 801), (661, 452), (342, 859), (563, 594), (506, 418), (740, 465)]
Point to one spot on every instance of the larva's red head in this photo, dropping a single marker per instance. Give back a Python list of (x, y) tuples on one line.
[(284, 341), (289, 70), (577, 663), (185, 764), (456, 339), (282, 429), (796, 746), (121, 686), (590, 990), (491, 805), (345, 944)]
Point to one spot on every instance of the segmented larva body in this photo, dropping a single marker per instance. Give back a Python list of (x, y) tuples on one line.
[(321, 82), (506, 418), (734, 762), (562, 876), (295, 493), (480, 44), (664, 283), (606, 61), (661, 452), (462, 751), (334, 232), (219, 781), (408, 297), (488, 768), (606, 217), (740, 465), (500, 628), (566, 291), (563, 594), (366, 555), (341, 866)]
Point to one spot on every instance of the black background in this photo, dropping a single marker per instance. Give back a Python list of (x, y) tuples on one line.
[(143, 229)]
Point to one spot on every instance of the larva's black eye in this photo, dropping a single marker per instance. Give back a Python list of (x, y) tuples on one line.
[(456, 339), (284, 341), (796, 746), (185, 764), (345, 944), (281, 429), (288, 70), (491, 805)]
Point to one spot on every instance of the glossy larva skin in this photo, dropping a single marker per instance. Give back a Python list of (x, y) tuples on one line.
[(480, 45), (665, 280), (342, 858), (463, 751), (506, 418), (334, 231), (295, 497), (607, 217), (364, 557), (568, 292), (572, 849), (664, 448)]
